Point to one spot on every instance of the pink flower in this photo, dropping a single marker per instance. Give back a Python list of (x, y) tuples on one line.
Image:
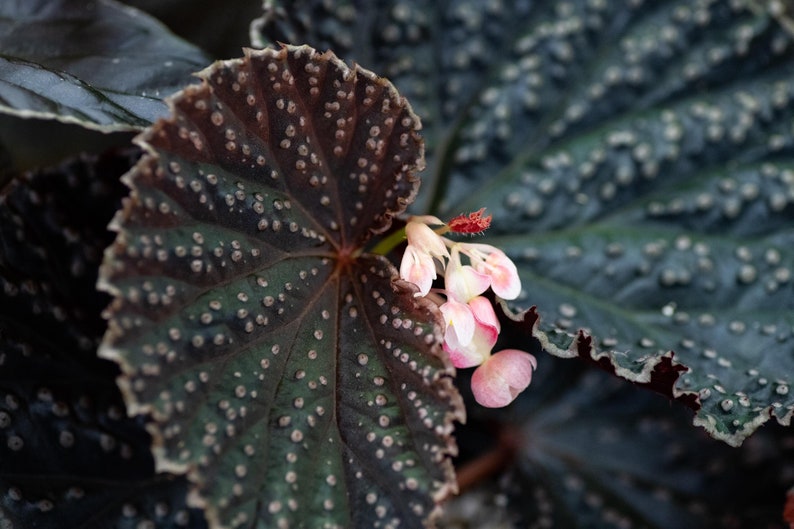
[(501, 270), (422, 237), (499, 380), (474, 347), (417, 265), (464, 282), (471, 327), (459, 320)]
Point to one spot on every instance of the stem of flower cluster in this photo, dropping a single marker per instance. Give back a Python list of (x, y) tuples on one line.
[(389, 243)]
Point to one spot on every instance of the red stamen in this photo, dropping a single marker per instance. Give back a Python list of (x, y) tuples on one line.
[(473, 223)]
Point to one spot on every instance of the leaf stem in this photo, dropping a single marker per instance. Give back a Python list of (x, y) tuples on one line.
[(394, 239), (389, 243), (496, 460)]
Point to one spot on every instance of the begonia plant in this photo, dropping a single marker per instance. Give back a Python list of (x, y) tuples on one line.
[(405, 263)]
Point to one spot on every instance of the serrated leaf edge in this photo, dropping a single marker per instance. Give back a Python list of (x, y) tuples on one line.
[(735, 440), (581, 347)]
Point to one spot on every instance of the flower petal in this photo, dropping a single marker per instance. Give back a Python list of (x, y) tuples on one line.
[(499, 380), (503, 273), (463, 281), (472, 354), (483, 312), (418, 268), (463, 356), (459, 320), (478, 348), (424, 239)]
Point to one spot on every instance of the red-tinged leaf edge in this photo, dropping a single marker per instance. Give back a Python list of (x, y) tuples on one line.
[(656, 373), (659, 373)]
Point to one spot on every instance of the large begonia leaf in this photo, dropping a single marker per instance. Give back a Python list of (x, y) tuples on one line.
[(69, 455), (637, 159), (96, 63), (293, 378)]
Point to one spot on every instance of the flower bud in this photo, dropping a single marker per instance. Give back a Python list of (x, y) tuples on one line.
[(499, 380)]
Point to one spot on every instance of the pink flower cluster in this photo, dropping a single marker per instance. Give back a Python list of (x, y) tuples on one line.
[(472, 327)]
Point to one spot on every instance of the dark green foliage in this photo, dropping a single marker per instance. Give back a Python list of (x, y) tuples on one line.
[(637, 159), (438, 54), (292, 378), (97, 63), (69, 456), (609, 455), (219, 28)]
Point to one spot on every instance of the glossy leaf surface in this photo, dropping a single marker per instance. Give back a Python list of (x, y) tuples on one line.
[(69, 455), (637, 159), (99, 64), (292, 377)]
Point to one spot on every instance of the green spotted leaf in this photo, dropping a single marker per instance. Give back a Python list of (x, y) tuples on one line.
[(292, 377), (677, 234), (637, 159), (99, 64), (69, 455)]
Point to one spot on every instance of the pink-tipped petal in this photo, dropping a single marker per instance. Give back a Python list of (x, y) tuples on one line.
[(478, 349), (424, 239), (499, 380), (464, 282), (463, 356), (459, 320), (418, 268), (475, 352), (483, 312), (503, 274)]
